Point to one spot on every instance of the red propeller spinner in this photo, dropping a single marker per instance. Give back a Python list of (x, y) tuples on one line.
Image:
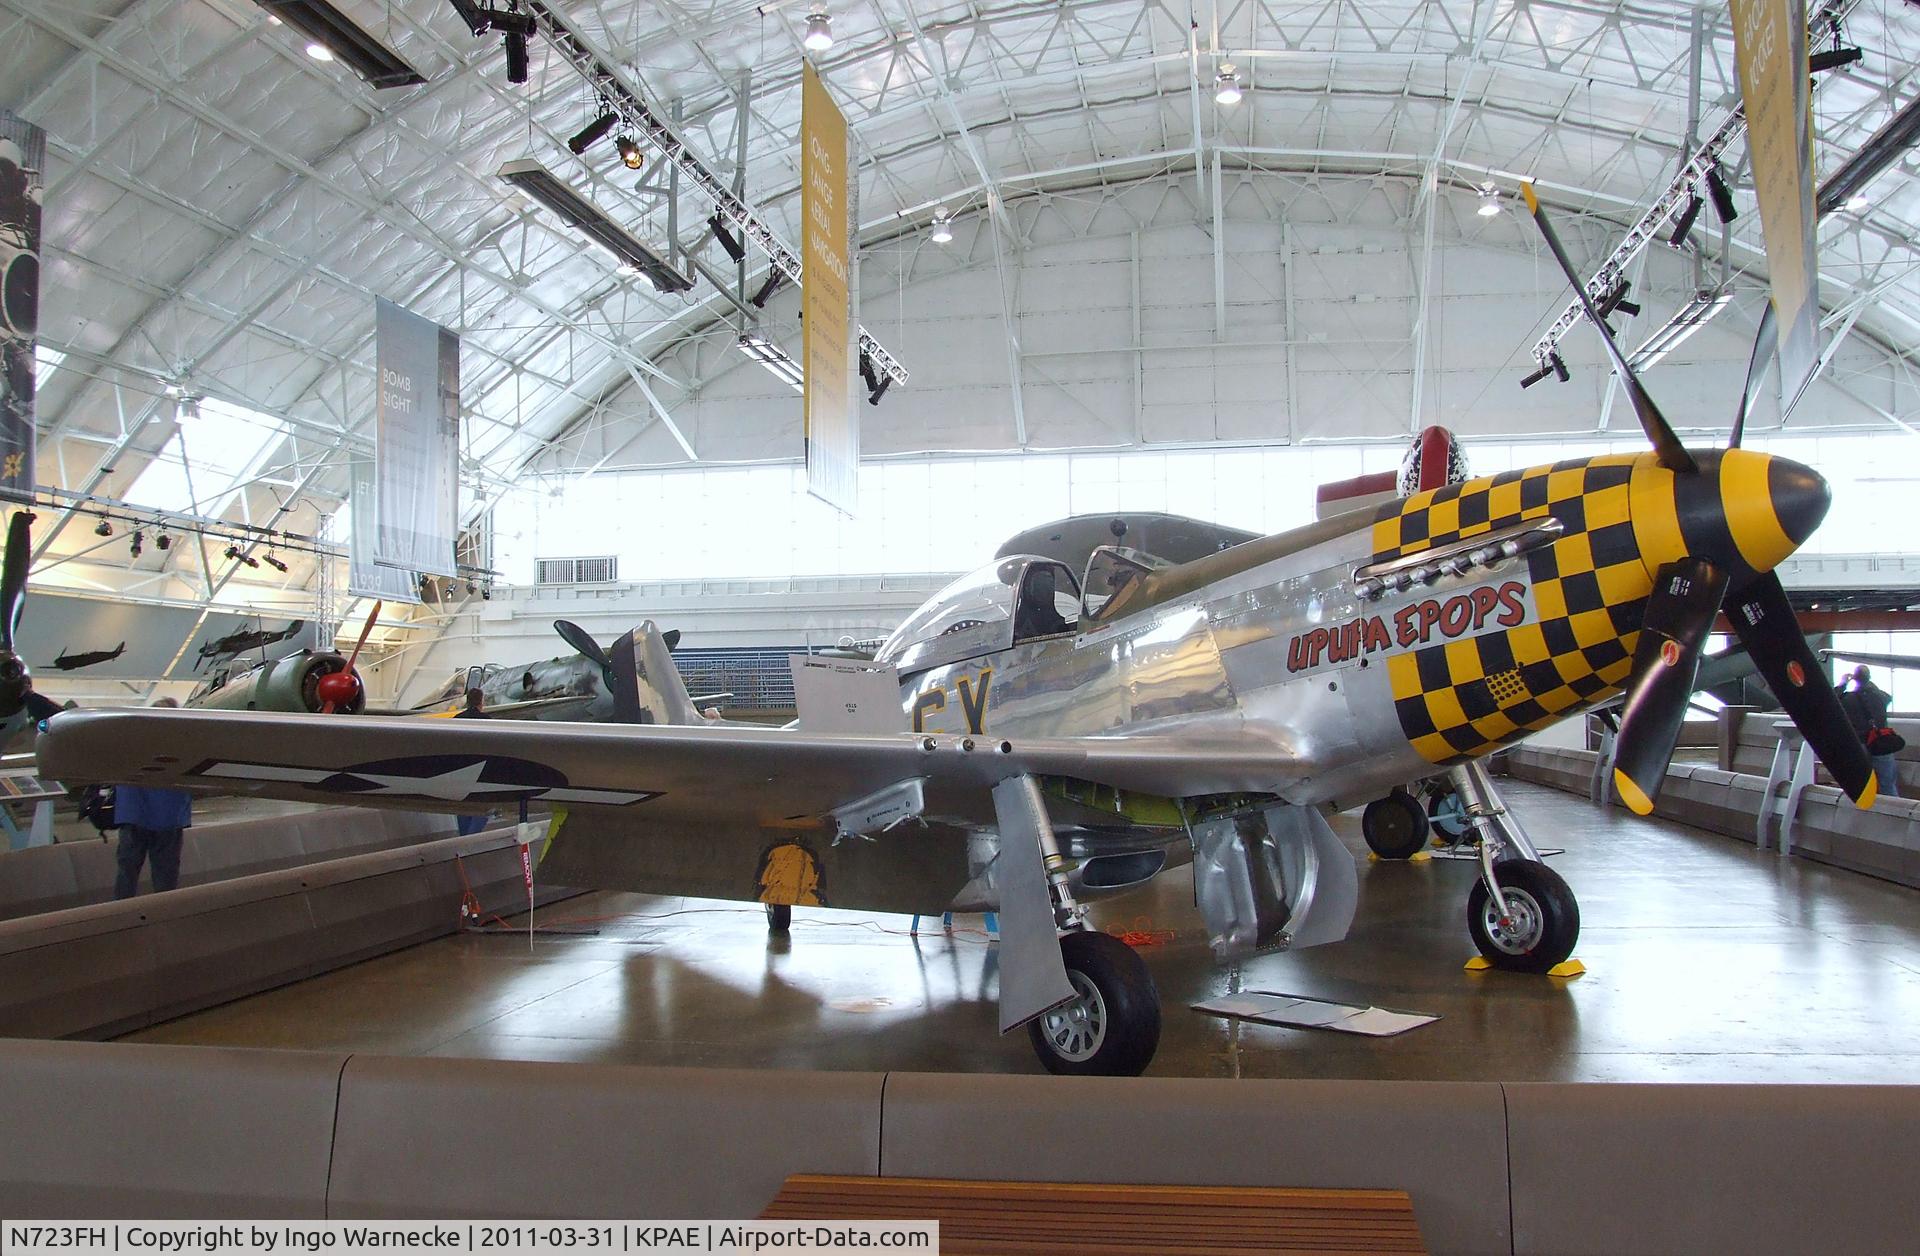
[(339, 689)]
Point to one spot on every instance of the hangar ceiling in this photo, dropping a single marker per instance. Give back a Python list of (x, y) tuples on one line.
[(223, 208)]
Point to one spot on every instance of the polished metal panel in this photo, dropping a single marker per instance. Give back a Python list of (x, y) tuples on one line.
[(1033, 977)]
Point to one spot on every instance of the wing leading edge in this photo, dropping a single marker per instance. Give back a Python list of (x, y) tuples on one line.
[(728, 774)]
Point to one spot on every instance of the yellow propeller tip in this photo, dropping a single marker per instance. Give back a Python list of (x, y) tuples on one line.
[(1631, 794), (1533, 202), (1867, 795)]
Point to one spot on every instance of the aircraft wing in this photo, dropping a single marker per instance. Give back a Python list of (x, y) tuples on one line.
[(713, 775)]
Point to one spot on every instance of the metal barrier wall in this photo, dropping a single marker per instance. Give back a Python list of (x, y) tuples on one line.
[(122, 1130)]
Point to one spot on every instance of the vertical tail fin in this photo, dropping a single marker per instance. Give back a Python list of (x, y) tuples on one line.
[(647, 686)]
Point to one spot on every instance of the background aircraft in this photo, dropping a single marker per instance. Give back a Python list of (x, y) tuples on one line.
[(67, 662), (305, 681), (590, 686)]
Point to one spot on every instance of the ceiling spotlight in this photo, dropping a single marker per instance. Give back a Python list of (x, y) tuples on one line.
[(472, 588), (632, 156), (1226, 85), (1684, 223), (104, 528), (819, 36), (139, 541), (275, 563), (1489, 201), (319, 52), (591, 133), (942, 226), (1721, 195), (163, 541), (517, 59)]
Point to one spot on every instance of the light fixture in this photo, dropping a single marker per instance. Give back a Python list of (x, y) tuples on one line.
[(1858, 202), (632, 156), (585, 217), (163, 541), (775, 359), (819, 36), (591, 133), (1684, 224), (1721, 195), (1226, 85), (1835, 57), (104, 528), (728, 241), (518, 62), (275, 563), (1489, 201), (759, 299), (139, 542), (332, 35), (942, 227), (514, 27)]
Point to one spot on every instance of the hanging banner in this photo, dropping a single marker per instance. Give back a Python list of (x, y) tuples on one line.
[(1770, 45), (416, 443), (828, 343), (23, 158), (365, 577)]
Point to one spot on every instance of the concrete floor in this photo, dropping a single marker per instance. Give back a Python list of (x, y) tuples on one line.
[(1707, 961)]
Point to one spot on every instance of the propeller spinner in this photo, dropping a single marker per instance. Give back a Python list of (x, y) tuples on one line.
[(1716, 523)]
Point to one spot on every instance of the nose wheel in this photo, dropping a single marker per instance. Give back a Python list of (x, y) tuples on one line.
[(1112, 1026)]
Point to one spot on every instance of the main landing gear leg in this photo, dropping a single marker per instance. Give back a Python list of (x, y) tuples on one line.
[(1521, 913), (1109, 1021)]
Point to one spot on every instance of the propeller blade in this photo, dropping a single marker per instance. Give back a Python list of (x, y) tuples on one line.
[(1686, 597), (366, 629), (1673, 455), (625, 677), (582, 640), (13, 576), (1763, 346), (1764, 622)]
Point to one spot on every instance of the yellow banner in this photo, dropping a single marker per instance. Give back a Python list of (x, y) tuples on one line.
[(1770, 45), (832, 423)]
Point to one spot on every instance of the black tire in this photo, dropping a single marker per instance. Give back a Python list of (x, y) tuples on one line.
[(1548, 918), (1114, 1028), (779, 917), (1395, 827), (1444, 817)]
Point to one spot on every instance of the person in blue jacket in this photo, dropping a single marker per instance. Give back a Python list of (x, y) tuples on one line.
[(153, 824)]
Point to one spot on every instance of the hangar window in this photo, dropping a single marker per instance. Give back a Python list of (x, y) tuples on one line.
[(210, 454)]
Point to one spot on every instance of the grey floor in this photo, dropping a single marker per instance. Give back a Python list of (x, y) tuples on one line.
[(1707, 961)]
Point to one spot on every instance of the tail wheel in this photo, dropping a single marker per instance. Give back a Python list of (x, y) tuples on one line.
[(1538, 925), (1112, 1026), (779, 917), (1395, 827)]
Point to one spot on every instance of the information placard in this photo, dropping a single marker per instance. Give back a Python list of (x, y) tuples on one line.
[(828, 342)]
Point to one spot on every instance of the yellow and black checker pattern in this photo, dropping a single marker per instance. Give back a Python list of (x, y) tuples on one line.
[(1459, 699)]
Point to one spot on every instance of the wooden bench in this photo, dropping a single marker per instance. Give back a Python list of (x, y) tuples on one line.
[(994, 1217)]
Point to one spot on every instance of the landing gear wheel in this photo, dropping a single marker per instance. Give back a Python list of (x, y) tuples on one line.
[(1113, 1027), (1541, 922), (1395, 827), (1447, 817), (779, 917)]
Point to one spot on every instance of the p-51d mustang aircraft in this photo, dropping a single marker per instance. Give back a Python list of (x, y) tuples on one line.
[(1071, 739)]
